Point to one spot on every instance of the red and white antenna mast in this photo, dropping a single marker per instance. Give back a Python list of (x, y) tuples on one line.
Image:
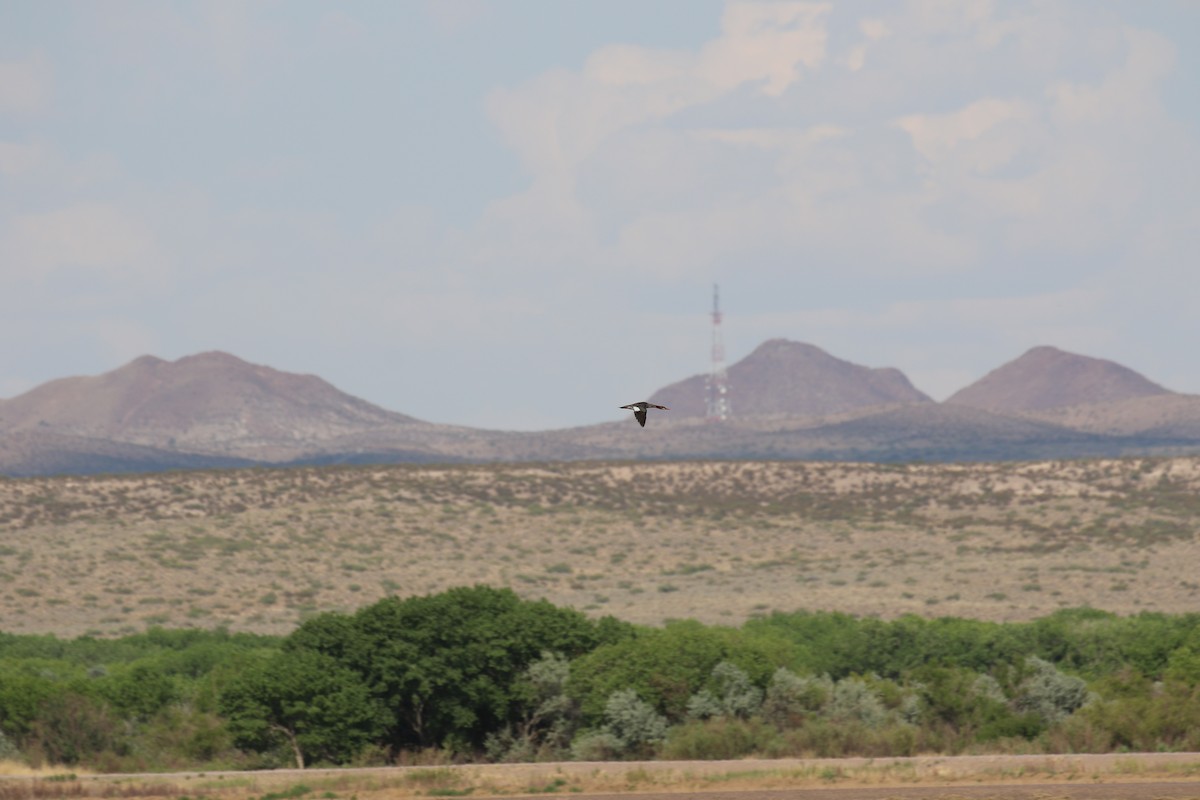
[(716, 388)]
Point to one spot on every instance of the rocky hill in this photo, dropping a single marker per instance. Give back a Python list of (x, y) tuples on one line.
[(784, 378), (790, 401), (1046, 377), (211, 403)]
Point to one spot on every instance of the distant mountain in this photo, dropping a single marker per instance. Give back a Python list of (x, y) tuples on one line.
[(790, 401), (212, 403), (1046, 378), (785, 378), (916, 431), (940, 432), (27, 453), (1165, 417)]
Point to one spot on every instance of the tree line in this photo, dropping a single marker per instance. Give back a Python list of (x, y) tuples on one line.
[(477, 673)]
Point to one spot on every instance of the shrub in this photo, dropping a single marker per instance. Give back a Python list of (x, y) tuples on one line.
[(961, 707), (1163, 719), (548, 717), (1050, 694), (1183, 666), (596, 746), (723, 738), (632, 728), (633, 721), (790, 698), (665, 666), (72, 728), (853, 700), (8, 749), (822, 738), (731, 695)]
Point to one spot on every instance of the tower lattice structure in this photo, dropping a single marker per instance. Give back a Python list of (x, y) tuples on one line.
[(716, 388)]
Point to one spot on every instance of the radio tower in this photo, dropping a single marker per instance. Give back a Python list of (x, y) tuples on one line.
[(716, 388)]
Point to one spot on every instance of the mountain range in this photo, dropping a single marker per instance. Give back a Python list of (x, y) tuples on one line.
[(788, 399)]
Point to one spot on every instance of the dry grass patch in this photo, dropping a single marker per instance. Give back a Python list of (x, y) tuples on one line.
[(498, 780), (262, 549)]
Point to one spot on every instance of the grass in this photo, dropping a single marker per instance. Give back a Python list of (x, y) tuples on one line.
[(680, 778), (717, 541)]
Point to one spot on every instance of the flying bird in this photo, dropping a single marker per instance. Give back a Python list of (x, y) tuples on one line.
[(639, 410)]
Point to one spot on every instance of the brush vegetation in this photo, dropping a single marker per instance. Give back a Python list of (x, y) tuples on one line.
[(261, 550), (476, 674)]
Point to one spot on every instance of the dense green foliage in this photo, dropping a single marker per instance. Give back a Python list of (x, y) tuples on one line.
[(478, 673), (444, 666)]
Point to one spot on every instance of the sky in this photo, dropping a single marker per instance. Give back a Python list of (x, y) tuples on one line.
[(511, 214)]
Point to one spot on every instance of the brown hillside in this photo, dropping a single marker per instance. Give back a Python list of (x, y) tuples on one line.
[(790, 401), (782, 377), (39, 452), (1168, 416), (211, 402), (1046, 377)]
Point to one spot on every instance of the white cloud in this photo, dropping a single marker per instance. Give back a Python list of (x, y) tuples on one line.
[(561, 118), (766, 43), (621, 175), (1127, 95), (936, 136), (874, 30)]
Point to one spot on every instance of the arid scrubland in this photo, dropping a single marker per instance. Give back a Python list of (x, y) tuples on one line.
[(261, 549)]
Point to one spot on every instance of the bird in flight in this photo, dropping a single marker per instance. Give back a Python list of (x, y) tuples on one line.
[(639, 410)]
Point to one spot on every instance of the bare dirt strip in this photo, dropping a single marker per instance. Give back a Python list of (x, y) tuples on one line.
[(1137, 776), (1047, 791)]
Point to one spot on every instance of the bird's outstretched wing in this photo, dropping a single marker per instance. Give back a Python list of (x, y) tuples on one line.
[(639, 411)]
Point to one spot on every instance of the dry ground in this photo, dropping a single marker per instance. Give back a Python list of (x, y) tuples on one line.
[(1141, 776), (260, 549)]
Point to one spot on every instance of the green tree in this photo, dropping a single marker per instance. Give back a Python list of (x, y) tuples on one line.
[(139, 691), (306, 701), (666, 666), (22, 695), (446, 666)]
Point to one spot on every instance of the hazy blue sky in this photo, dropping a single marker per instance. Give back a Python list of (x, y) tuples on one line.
[(510, 214)]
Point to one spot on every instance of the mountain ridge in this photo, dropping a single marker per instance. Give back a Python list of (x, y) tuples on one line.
[(795, 378), (1045, 377), (790, 400), (210, 402)]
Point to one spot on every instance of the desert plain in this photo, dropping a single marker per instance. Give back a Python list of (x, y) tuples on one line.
[(718, 541)]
